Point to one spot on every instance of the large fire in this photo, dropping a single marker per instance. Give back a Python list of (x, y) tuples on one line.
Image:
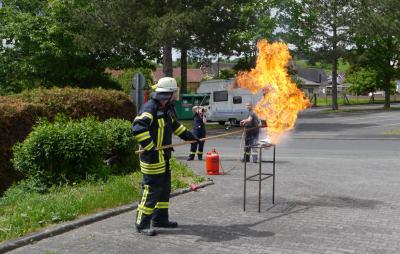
[(282, 99)]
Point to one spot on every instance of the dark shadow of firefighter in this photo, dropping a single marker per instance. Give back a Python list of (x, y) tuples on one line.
[(217, 233)]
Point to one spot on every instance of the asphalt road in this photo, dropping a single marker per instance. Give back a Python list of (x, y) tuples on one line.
[(358, 133), (337, 191)]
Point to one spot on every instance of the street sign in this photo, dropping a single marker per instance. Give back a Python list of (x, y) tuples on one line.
[(137, 93)]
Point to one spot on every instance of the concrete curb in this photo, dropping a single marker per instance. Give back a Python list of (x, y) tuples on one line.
[(68, 226)]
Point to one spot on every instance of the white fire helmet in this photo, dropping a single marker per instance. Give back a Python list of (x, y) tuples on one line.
[(166, 84)]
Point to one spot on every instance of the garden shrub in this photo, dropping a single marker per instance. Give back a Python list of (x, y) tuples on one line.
[(121, 146), (18, 113), (62, 152), (68, 151)]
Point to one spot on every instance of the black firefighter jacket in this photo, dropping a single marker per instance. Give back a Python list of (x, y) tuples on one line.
[(153, 127)]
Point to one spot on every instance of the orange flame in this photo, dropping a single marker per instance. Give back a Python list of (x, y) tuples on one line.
[(282, 99)]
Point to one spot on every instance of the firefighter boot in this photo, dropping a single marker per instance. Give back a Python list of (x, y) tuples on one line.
[(246, 157), (161, 219), (144, 227), (146, 231), (165, 224), (191, 157), (200, 157)]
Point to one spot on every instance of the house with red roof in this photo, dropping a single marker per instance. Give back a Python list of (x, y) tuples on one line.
[(194, 77)]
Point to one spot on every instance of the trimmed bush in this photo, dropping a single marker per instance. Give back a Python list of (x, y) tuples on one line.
[(62, 152), (18, 113), (121, 146), (67, 151)]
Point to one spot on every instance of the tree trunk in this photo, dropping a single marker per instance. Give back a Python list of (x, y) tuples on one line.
[(183, 70), (387, 75), (386, 86), (335, 58), (334, 84), (167, 59), (218, 65)]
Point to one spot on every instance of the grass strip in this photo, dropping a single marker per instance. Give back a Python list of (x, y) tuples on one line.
[(22, 212), (360, 110), (392, 132), (322, 101)]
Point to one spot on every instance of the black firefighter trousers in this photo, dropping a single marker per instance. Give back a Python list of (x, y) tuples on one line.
[(200, 133), (155, 194)]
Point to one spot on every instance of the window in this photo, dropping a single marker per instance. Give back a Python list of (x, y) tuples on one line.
[(237, 99), (205, 100), (221, 96)]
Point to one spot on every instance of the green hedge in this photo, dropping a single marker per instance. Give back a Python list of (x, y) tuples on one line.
[(18, 113), (66, 152)]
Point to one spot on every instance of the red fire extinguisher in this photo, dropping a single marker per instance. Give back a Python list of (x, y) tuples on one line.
[(212, 163)]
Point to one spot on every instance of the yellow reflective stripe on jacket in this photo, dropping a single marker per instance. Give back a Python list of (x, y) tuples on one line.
[(143, 115), (152, 171), (151, 165), (142, 136), (162, 205), (160, 138), (180, 130), (149, 146)]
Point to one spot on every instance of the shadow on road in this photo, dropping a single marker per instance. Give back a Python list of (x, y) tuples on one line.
[(340, 202), (216, 233)]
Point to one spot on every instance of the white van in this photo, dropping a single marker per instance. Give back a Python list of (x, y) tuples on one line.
[(227, 105)]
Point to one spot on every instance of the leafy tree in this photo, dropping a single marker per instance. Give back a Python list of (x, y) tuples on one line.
[(117, 30), (126, 76), (38, 48), (226, 74), (243, 64), (378, 40), (321, 28), (211, 28), (362, 80)]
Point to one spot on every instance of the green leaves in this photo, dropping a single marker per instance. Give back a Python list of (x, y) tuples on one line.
[(71, 151), (362, 81), (41, 49)]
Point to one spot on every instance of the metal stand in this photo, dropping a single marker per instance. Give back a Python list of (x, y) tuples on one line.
[(260, 176)]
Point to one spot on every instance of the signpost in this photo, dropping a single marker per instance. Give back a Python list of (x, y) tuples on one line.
[(137, 93)]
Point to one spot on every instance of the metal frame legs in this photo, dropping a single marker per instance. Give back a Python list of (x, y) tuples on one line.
[(260, 176)]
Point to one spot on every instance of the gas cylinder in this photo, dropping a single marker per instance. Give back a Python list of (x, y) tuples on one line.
[(212, 163)]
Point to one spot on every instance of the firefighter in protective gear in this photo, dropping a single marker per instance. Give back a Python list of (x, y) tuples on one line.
[(199, 130), (251, 136), (153, 128)]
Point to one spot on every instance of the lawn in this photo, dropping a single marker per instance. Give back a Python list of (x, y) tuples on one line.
[(393, 132), (22, 212), (327, 101)]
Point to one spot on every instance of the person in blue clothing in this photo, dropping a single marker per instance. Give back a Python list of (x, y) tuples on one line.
[(199, 130)]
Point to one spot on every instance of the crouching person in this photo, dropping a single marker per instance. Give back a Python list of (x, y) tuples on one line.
[(153, 128)]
